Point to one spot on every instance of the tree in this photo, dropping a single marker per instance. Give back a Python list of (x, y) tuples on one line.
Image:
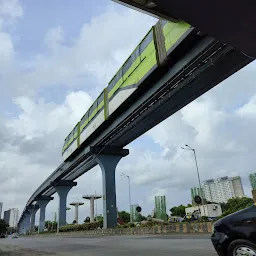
[(50, 225), (141, 218), (98, 218), (125, 216), (178, 211), (236, 204), (3, 226)]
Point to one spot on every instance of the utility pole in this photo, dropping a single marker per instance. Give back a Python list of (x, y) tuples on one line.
[(128, 177), (199, 180)]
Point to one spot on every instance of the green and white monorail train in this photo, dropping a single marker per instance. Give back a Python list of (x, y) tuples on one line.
[(150, 54)]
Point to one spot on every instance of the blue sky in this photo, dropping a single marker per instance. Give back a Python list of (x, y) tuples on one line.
[(56, 57)]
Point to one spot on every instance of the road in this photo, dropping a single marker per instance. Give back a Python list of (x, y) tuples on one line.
[(171, 245)]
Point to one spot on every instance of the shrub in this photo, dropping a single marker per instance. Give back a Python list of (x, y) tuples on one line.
[(81, 227)]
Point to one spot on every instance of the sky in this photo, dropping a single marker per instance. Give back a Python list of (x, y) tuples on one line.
[(55, 58)]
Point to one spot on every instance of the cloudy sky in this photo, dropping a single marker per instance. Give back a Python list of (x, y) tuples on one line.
[(55, 58)]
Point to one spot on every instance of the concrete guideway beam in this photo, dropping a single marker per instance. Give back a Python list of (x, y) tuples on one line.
[(62, 188), (42, 201), (108, 161)]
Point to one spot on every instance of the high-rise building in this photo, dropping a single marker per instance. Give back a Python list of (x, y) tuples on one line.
[(11, 217), (1, 208), (238, 187), (160, 207), (197, 192), (222, 189), (252, 178)]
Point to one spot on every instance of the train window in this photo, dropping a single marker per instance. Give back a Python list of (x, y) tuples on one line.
[(84, 118), (75, 131), (69, 136), (119, 75), (114, 81), (135, 54), (93, 107), (147, 40), (100, 98), (127, 65)]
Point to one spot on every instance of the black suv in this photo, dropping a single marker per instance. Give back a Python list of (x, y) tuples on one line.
[(235, 234)]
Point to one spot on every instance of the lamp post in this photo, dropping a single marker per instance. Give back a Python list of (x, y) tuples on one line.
[(201, 191), (128, 177)]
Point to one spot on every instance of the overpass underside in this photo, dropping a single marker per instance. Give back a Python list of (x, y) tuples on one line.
[(230, 22)]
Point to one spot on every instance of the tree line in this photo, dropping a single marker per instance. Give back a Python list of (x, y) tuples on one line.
[(233, 205)]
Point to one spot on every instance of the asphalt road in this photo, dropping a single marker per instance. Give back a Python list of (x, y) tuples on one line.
[(173, 245)]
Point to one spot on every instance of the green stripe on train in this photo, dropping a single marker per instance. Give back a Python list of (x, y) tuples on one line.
[(137, 72), (106, 113), (173, 32)]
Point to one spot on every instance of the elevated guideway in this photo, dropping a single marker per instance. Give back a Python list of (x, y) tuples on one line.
[(205, 65), (230, 22)]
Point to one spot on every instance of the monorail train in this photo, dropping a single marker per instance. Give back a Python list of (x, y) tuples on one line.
[(149, 55)]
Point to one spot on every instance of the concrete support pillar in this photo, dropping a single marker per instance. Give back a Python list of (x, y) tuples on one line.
[(76, 205), (108, 161), (76, 214), (42, 202), (27, 222), (92, 199), (92, 210), (21, 227), (33, 211), (62, 189)]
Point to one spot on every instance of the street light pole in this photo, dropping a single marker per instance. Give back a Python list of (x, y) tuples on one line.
[(199, 180), (128, 177)]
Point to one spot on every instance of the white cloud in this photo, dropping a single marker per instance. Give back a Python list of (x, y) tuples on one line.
[(101, 47), (10, 9), (249, 109), (6, 49), (54, 37)]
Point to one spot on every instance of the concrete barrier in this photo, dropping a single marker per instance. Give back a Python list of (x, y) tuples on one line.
[(184, 228)]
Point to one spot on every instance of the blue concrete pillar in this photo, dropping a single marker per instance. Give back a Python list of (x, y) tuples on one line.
[(108, 165), (33, 211), (62, 188), (23, 225), (20, 227), (42, 202), (27, 222)]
